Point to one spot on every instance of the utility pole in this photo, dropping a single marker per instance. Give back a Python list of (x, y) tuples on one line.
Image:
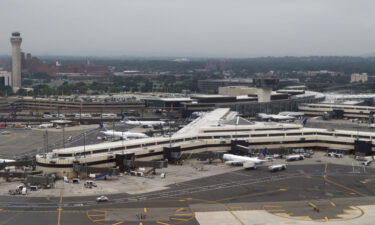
[(113, 128), (122, 142), (63, 136), (170, 133), (45, 136), (237, 118), (84, 145)]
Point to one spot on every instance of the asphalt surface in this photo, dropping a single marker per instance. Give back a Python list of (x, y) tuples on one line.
[(329, 188), (14, 143)]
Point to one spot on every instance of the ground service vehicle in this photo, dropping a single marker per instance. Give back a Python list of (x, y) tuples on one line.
[(275, 168), (102, 199)]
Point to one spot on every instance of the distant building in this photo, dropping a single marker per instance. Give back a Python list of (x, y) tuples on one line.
[(212, 86), (32, 65), (315, 73), (5, 78), (357, 77)]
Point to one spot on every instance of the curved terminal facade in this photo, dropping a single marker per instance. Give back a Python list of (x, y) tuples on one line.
[(349, 111), (214, 131)]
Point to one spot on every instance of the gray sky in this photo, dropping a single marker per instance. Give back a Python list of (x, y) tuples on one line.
[(218, 28)]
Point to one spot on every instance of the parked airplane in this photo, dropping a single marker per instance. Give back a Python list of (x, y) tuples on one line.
[(274, 117), (123, 135), (141, 123), (236, 160), (6, 160), (144, 123), (294, 114), (46, 125), (5, 132)]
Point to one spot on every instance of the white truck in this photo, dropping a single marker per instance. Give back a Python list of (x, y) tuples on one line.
[(20, 189), (278, 167), (249, 165), (364, 158), (366, 163), (334, 154), (294, 157)]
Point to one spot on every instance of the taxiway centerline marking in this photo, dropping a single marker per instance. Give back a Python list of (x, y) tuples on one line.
[(118, 223), (180, 209), (158, 222)]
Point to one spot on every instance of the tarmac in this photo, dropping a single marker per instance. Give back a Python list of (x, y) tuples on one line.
[(312, 191), (22, 141)]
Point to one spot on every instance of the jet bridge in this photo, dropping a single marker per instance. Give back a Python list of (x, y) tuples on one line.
[(239, 147), (172, 154), (127, 162), (204, 156)]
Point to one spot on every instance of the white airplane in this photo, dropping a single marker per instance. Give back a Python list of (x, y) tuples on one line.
[(144, 123), (236, 160), (5, 132), (46, 125), (274, 117), (6, 160), (124, 135), (294, 114)]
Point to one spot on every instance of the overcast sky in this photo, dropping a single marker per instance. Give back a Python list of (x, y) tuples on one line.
[(213, 28)]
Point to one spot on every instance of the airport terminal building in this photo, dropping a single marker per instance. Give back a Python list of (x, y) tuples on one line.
[(218, 130)]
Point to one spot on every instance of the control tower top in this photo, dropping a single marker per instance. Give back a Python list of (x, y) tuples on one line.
[(266, 82), (16, 34)]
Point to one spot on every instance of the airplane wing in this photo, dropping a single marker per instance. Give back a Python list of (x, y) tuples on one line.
[(277, 117), (263, 115), (125, 138)]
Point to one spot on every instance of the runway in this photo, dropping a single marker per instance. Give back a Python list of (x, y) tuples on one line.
[(331, 188)]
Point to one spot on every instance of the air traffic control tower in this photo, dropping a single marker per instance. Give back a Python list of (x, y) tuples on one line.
[(265, 86), (16, 41)]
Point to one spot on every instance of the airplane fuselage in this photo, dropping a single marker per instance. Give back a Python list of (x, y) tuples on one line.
[(240, 160), (145, 123), (124, 135)]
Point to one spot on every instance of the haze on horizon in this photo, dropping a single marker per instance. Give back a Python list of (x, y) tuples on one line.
[(190, 28)]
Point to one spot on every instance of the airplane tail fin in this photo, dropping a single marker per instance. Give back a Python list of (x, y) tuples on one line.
[(101, 125), (304, 121)]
